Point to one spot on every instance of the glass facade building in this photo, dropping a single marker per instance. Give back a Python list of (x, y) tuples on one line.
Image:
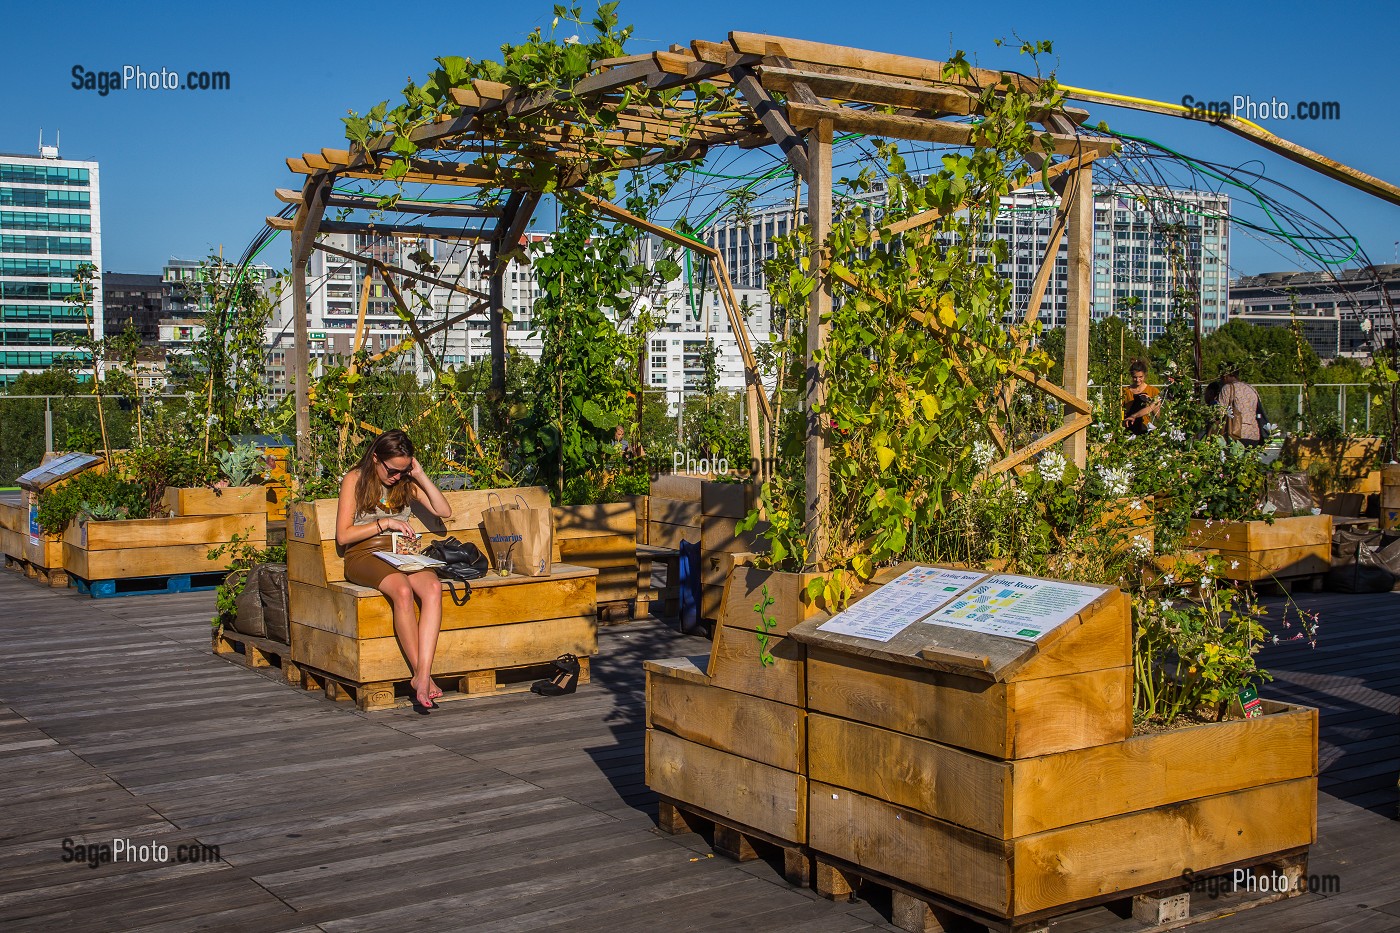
[(49, 226)]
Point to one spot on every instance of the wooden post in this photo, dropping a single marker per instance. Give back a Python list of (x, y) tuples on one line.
[(304, 227), (818, 456), (1079, 298)]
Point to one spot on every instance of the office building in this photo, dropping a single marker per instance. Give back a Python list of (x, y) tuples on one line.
[(1334, 309), (135, 300), (50, 224)]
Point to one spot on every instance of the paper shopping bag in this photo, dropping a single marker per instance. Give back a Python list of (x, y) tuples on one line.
[(521, 538)]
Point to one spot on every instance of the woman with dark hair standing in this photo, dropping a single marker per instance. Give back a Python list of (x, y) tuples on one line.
[(375, 499)]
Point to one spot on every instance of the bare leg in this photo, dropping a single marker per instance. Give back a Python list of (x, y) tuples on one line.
[(428, 589), (396, 587)]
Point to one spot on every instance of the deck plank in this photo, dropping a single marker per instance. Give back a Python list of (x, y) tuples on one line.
[(505, 813)]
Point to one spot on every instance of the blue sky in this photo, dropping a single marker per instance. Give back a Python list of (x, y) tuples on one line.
[(184, 172)]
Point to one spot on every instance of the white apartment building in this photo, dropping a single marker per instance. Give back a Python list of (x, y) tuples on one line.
[(1132, 227), (50, 223)]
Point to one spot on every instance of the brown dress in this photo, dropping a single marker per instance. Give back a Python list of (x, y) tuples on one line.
[(361, 566)]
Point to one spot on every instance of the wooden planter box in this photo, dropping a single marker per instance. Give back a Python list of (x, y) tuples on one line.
[(603, 537), (1027, 838), (1344, 466), (1390, 496), (36, 557), (230, 500), (996, 774), (727, 753), (151, 547), (1253, 551)]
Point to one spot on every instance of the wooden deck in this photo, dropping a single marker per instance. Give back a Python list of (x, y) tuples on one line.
[(506, 813)]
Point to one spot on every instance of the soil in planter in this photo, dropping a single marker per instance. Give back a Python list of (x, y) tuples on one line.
[(1156, 724)]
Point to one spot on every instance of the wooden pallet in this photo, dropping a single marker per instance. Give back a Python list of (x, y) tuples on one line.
[(148, 586), (617, 611), (397, 694), (254, 652), (730, 839), (50, 576), (1150, 909)]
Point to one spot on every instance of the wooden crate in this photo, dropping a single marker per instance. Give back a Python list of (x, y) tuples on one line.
[(727, 500), (1390, 496), (1046, 873), (663, 534), (1294, 546), (40, 558), (603, 537), (231, 500), (152, 547), (1007, 799), (727, 756)]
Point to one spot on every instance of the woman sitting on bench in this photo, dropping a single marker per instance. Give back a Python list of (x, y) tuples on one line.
[(374, 503)]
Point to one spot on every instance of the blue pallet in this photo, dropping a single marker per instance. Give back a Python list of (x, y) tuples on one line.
[(148, 586)]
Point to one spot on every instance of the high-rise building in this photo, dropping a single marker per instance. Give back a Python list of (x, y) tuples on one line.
[(1137, 232), (49, 225), (135, 300), (1341, 313), (1149, 243), (188, 302)]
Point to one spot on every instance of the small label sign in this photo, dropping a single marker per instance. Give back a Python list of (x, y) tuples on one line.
[(1251, 704)]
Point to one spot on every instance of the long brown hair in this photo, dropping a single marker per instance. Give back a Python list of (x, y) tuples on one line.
[(368, 489)]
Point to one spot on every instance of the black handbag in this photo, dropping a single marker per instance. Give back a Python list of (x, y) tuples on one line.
[(461, 563)]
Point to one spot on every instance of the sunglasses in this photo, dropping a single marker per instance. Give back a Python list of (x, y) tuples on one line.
[(396, 473)]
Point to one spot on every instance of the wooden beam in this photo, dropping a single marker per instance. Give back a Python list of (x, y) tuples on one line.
[(818, 455), (957, 100), (901, 66), (1073, 427), (763, 106), (920, 129), (410, 320), (955, 338), (1079, 297), (1255, 133), (306, 224)]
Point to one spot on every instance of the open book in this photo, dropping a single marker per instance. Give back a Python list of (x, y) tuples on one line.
[(409, 563)]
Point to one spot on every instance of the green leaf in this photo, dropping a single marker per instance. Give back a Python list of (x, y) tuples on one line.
[(886, 457)]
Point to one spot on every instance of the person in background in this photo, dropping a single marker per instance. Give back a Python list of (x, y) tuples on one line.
[(1241, 404), (629, 450), (375, 502), (1141, 402)]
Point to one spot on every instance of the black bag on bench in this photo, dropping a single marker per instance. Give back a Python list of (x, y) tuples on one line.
[(462, 563)]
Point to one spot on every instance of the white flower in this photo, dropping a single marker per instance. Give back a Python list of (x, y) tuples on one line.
[(1118, 481), (1234, 564), (1142, 548), (1366, 326), (1205, 581), (1168, 579), (1135, 504), (1022, 497), (1166, 604), (1176, 434), (1052, 466), (982, 454), (572, 40)]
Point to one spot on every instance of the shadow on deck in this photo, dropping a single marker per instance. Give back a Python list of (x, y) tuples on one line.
[(505, 813)]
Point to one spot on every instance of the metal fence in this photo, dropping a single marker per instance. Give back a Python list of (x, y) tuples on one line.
[(30, 425), (1302, 409)]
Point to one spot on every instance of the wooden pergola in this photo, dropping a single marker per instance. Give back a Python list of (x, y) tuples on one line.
[(786, 93)]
